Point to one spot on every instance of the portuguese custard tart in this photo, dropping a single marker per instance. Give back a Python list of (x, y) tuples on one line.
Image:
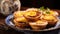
[(20, 22), (38, 25), (32, 14), (18, 14), (52, 20), (51, 12), (54, 13)]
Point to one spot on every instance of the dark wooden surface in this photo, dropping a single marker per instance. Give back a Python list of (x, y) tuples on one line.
[(4, 29)]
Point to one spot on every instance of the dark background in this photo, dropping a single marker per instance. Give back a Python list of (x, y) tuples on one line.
[(53, 4)]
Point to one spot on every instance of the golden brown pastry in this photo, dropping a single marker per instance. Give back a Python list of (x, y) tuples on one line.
[(38, 25), (35, 18), (18, 14), (32, 14), (21, 19), (54, 13), (20, 22), (52, 20), (51, 12)]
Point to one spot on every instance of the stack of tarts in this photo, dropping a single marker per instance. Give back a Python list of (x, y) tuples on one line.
[(35, 18)]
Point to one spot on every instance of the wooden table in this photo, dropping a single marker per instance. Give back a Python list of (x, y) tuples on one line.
[(4, 29)]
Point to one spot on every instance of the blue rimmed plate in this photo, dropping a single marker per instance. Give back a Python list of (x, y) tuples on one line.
[(10, 23)]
